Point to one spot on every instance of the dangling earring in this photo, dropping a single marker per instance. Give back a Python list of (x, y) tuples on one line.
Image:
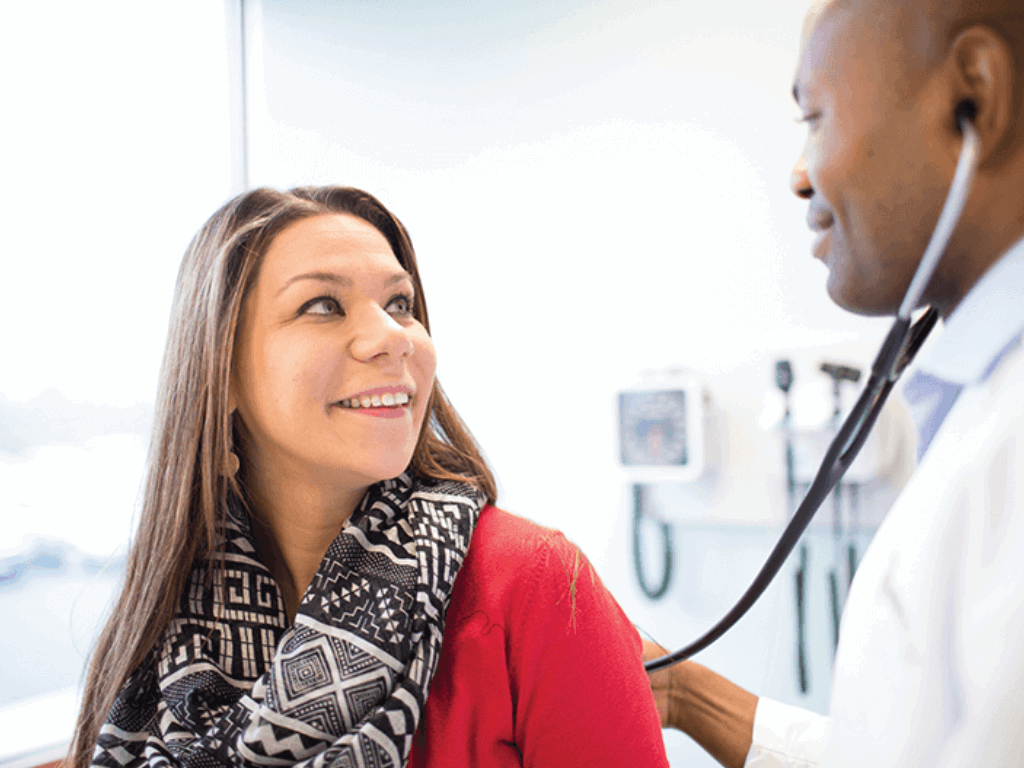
[(231, 465)]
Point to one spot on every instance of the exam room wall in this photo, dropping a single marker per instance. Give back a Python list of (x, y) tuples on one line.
[(594, 189)]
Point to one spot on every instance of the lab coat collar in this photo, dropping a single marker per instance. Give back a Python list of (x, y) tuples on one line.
[(988, 322)]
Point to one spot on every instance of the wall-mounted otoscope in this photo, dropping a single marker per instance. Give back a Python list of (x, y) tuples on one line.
[(784, 381), (837, 585)]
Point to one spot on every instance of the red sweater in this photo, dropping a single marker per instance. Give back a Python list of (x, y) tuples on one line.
[(540, 666)]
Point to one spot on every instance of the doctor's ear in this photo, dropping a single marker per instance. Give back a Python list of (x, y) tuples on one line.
[(984, 78)]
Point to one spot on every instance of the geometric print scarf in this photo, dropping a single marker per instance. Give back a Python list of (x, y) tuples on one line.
[(231, 684)]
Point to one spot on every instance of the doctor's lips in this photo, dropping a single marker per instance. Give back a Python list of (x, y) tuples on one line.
[(380, 397), (820, 221)]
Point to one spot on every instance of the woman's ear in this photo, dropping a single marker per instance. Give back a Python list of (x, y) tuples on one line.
[(984, 76)]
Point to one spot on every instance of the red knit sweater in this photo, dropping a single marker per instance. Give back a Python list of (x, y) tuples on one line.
[(539, 666)]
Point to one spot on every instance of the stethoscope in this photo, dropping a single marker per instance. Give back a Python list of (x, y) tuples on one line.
[(898, 349)]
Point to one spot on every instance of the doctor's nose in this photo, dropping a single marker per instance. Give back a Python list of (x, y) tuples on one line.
[(380, 337), (798, 180)]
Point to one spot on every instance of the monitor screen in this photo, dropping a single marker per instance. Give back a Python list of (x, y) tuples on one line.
[(652, 428)]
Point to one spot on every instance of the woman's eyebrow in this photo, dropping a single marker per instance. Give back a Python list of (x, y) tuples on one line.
[(342, 280)]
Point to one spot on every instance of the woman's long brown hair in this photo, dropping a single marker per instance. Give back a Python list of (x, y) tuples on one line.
[(185, 490)]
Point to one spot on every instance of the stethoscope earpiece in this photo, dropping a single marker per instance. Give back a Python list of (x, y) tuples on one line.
[(966, 111)]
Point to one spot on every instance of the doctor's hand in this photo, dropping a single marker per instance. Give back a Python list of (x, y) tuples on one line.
[(711, 710)]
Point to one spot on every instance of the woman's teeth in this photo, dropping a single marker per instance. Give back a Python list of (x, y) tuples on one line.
[(387, 400)]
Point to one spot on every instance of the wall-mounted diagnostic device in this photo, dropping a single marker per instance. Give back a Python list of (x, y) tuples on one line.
[(662, 429)]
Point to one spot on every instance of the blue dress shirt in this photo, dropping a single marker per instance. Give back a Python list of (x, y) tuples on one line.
[(987, 324)]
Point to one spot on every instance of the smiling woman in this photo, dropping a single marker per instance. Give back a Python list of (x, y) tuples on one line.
[(317, 547), (328, 323)]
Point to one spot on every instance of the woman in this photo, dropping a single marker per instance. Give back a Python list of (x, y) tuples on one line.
[(306, 529)]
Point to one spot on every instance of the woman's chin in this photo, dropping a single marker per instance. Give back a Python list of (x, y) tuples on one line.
[(371, 474)]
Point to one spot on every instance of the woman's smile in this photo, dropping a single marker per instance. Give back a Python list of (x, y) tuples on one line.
[(383, 402), (380, 397)]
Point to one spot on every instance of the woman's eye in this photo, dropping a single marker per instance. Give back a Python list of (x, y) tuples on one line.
[(322, 306), (808, 118), (401, 305)]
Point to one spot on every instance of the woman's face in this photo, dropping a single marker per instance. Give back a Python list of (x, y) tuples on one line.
[(332, 371)]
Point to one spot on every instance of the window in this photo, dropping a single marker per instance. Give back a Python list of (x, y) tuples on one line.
[(116, 146)]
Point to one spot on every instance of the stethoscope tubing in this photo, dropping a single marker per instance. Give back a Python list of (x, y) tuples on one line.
[(952, 209), (901, 344), (835, 464)]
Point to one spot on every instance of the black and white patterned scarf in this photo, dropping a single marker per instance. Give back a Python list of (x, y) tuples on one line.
[(231, 684)]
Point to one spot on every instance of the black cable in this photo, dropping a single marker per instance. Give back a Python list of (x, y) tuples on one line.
[(666, 572), (833, 586), (900, 345), (801, 623)]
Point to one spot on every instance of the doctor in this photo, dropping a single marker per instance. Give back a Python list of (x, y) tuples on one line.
[(930, 664)]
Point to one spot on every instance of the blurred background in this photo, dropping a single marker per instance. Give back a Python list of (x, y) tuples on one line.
[(598, 194)]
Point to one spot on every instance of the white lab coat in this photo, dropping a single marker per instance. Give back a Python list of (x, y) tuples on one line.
[(930, 664)]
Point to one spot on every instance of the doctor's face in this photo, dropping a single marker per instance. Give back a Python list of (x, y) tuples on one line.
[(332, 371), (867, 168)]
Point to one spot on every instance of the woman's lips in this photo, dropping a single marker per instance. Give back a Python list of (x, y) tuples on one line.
[(383, 412)]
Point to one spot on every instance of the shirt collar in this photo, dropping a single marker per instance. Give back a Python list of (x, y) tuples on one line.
[(988, 321)]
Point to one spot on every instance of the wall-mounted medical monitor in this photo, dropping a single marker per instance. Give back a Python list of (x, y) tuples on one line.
[(660, 427)]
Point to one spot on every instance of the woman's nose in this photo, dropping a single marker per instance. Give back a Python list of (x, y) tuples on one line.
[(379, 336), (799, 182)]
